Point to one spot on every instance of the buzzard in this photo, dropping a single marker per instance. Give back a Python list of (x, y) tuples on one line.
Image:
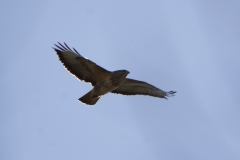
[(102, 80)]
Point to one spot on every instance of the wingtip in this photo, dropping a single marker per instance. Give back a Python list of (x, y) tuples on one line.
[(56, 50), (170, 94), (62, 48)]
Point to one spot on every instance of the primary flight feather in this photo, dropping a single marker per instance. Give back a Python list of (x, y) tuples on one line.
[(104, 81)]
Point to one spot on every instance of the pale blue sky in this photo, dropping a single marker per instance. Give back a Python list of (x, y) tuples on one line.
[(192, 47)]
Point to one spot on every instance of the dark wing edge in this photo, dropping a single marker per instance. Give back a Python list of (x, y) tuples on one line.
[(135, 87), (170, 94), (77, 65), (65, 49)]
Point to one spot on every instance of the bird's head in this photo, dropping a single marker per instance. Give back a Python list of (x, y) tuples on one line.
[(120, 74), (118, 77), (124, 71)]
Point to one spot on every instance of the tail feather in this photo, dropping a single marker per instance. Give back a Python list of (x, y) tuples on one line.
[(87, 99)]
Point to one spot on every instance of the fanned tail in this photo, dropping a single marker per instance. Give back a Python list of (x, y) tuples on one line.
[(87, 99)]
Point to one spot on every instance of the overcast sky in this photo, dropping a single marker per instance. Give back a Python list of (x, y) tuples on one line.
[(192, 47)]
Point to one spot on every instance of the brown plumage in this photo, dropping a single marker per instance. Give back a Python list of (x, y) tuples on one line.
[(103, 80)]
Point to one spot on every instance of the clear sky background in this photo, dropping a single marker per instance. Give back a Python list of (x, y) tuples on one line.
[(192, 47)]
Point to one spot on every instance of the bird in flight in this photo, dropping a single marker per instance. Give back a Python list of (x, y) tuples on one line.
[(102, 80)]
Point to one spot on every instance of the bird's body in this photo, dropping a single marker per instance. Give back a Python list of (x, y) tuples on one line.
[(103, 87), (103, 80)]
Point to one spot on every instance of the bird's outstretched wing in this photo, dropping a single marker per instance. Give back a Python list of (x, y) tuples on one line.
[(134, 87), (79, 66)]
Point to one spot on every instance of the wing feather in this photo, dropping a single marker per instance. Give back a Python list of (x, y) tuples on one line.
[(79, 66), (134, 87)]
